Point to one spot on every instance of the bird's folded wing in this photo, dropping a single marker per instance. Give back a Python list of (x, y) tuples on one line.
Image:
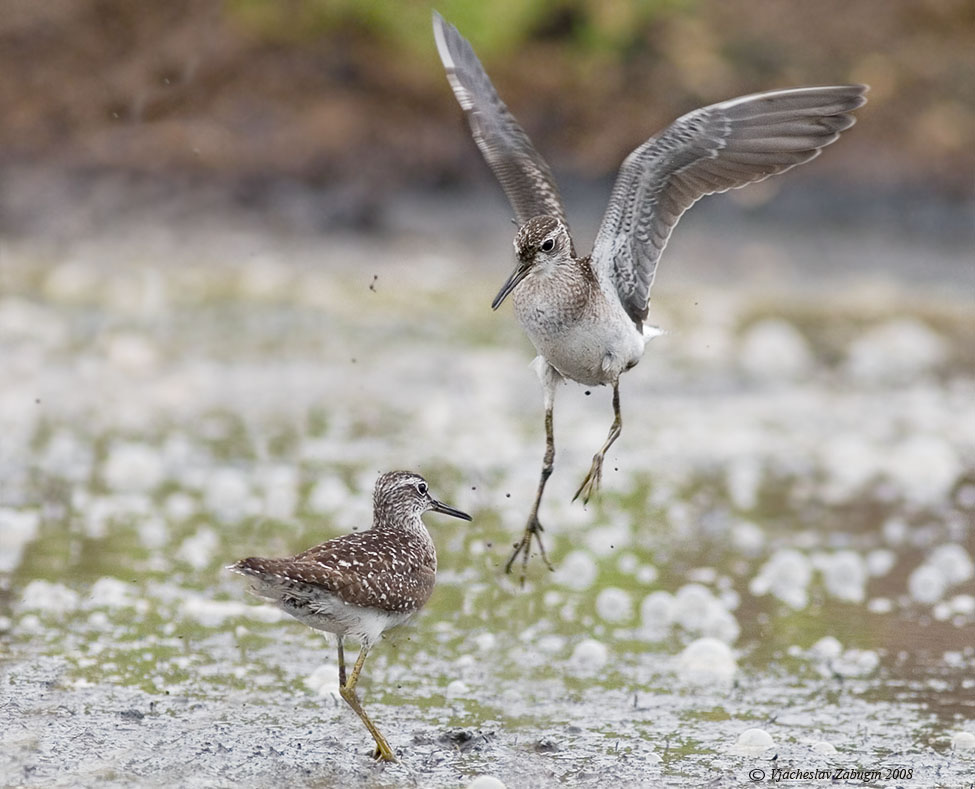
[(523, 173), (713, 149), (361, 569)]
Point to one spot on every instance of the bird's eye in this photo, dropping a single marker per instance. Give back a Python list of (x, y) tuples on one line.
[(548, 245), (421, 488)]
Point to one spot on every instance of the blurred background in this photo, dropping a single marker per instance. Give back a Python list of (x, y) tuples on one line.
[(247, 253), (321, 113)]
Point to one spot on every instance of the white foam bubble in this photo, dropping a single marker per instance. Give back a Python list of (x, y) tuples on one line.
[(589, 656), (845, 576), (924, 469), (486, 782), (657, 610), (133, 467), (953, 562), (110, 592), (577, 571), (614, 605), (18, 528), (706, 660), (199, 549), (457, 689), (963, 741), (897, 350), (692, 604), (753, 742), (927, 584), (880, 561), (41, 595), (227, 494), (856, 663), (280, 491), (786, 575), (748, 538), (213, 613), (828, 648), (324, 680), (823, 748), (774, 349)]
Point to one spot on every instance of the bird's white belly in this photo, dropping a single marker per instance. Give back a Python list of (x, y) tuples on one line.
[(327, 612), (590, 351)]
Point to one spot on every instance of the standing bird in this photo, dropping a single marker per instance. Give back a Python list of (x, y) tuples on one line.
[(361, 584), (585, 315)]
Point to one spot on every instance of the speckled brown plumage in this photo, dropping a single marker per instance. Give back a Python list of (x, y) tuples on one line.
[(383, 568), (361, 584)]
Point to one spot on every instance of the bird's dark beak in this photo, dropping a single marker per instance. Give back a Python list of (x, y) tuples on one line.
[(517, 276), (439, 506)]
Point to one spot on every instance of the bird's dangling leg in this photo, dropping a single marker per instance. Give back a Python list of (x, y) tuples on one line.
[(347, 691), (533, 529), (591, 483)]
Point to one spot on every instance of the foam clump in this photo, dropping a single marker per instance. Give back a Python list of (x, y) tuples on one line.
[(577, 571), (823, 748), (486, 782), (614, 605), (110, 592), (775, 349), (706, 660), (844, 575), (953, 562), (323, 680), (17, 529), (753, 742), (657, 612), (328, 495), (786, 575), (589, 656), (227, 495), (946, 566), (850, 462), (457, 689), (926, 584), (827, 648), (856, 663), (133, 467), (697, 610), (199, 549), (924, 469), (963, 741), (897, 350), (41, 595)]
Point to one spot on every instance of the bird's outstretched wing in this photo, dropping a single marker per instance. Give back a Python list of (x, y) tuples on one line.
[(523, 173), (713, 149)]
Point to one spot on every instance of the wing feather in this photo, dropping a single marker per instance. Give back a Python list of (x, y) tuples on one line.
[(713, 149), (523, 173)]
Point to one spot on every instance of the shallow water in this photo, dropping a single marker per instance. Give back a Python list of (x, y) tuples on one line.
[(783, 541)]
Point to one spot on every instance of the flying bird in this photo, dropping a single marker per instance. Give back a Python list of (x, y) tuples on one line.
[(586, 315)]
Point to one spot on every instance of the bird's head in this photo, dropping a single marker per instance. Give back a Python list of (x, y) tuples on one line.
[(541, 240), (402, 495)]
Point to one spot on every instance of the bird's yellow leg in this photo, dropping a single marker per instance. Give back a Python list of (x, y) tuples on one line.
[(347, 690)]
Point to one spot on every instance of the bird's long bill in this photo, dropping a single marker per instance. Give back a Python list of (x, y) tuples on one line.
[(439, 506), (517, 276)]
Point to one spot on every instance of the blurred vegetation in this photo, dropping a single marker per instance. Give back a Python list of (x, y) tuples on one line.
[(341, 91), (496, 28)]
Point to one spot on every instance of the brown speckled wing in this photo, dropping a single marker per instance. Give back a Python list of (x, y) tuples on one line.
[(378, 568)]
